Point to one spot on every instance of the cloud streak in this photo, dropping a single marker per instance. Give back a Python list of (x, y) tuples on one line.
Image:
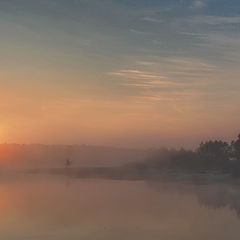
[(198, 4), (137, 74), (216, 20)]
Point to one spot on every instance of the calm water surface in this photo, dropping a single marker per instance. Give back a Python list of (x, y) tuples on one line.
[(54, 208)]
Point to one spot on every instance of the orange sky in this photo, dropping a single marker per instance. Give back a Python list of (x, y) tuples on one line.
[(118, 77)]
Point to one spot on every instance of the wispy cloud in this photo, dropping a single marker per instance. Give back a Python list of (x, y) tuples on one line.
[(168, 79), (146, 63), (156, 84), (176, 74), (215, 20), (191, 64), (176, 95), (198, 4), (151, 19), (137, 74), (146, 80), (194, 34)]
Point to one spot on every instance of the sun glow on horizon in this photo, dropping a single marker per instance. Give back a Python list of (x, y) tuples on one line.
[(75, 76)]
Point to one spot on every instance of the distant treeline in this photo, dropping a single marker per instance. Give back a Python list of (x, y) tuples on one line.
[(212, 156), (34, 156)]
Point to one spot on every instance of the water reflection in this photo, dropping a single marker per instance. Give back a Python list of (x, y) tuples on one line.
[(220, 196), (209, 195), (59, 208)]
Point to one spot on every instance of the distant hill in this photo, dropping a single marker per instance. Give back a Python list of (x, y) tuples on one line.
[(51, 156)]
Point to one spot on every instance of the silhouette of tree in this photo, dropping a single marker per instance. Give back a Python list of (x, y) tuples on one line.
[(209, 156), (214, 155), (235, 157), (236, 148)]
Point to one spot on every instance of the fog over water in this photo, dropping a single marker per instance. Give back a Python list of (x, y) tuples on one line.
[(62, 207), (24, 156)]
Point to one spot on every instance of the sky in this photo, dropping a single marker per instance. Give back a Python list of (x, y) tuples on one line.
[(132, 73)]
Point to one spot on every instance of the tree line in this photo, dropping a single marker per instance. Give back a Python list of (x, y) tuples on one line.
[(218, 155)]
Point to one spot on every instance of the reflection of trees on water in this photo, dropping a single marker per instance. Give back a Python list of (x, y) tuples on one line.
[(211, 196), (220, 196)]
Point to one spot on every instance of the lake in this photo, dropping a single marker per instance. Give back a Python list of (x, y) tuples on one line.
[(64, 208)]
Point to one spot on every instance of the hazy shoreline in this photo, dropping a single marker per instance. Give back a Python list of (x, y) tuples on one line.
[(111, 173)]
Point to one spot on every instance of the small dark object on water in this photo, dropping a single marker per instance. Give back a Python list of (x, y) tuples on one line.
[(68, 163)]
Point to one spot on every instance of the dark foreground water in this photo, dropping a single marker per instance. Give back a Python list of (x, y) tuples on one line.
[(59, 208)]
